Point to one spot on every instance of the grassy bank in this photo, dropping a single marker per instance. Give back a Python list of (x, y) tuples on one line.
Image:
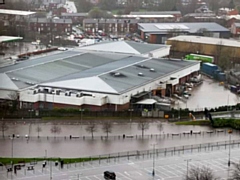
[(6, 160), (232, 123), (85, 118), (198, 123)]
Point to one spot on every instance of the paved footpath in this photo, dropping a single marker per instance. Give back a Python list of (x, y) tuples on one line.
[(167, 166)]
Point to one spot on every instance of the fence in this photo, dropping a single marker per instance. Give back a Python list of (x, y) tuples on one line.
[(135, 136), (163, 135), (146, 154)]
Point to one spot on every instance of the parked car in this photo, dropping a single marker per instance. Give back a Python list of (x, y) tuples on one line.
[(22, 58), (62, 49), (35, 43), (109, 175)]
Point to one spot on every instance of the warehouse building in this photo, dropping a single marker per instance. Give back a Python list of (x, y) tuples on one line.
[(96, 79), (216, 47), (158, 33)]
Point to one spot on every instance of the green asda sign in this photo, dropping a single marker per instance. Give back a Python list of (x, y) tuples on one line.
[(200, 57)]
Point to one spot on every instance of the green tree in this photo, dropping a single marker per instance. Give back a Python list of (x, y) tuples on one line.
[(98, 13), (107, 4), (231, 4), (83, 5)]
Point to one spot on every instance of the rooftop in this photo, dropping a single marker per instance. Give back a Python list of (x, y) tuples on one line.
[(189, 27), (207, 40), (146, 16), (110, 21), (9, 38), (126, 47), (46, 20), (16, 12), (155, 13), (112, 72), (74, 14)]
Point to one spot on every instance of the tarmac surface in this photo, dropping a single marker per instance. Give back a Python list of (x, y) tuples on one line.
[(167, 166)]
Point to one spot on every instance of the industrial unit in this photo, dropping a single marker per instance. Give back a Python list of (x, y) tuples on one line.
[(206, 46), (158, 33), (107, 76)]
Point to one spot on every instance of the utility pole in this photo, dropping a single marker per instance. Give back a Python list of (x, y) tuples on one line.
[(153, 171), (187, 166)]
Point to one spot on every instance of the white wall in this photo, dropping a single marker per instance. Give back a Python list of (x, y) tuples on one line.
[(159, 52)]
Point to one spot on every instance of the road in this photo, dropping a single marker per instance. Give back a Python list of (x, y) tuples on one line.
[(167, 166)]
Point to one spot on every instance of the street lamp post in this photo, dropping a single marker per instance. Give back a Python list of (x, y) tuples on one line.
[(130, 118), (187, 166), (229, 153), (153, 171), (12, 138), (178, 110)]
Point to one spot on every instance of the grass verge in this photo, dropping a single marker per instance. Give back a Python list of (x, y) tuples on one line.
[(199, 123), (6, 160), (85, 118)]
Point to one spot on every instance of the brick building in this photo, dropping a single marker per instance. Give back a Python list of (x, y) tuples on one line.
[(45, 25), (77, 18), (112, 26), (235, 29)]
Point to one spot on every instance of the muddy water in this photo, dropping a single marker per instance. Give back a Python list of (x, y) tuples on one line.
[(209, 94)]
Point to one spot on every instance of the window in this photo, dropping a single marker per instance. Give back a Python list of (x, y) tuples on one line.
[(41, 24), (69, 25)]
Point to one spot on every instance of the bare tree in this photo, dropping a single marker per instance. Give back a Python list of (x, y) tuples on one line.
[(91, 128), (107, 127), (4, 127), (143, 125), (14, 99), (200, 173), (38, 129), (55, 129), (235, 172), (160, 127)]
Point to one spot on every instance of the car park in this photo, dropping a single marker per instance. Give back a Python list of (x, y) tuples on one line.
[(109, 175)]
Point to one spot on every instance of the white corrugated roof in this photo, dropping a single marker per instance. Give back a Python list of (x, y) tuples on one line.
[(6, 83), (207, 40), (9, 38), (118, 47), (172, 27), (16, 12), (88, 84), (147, 101)]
